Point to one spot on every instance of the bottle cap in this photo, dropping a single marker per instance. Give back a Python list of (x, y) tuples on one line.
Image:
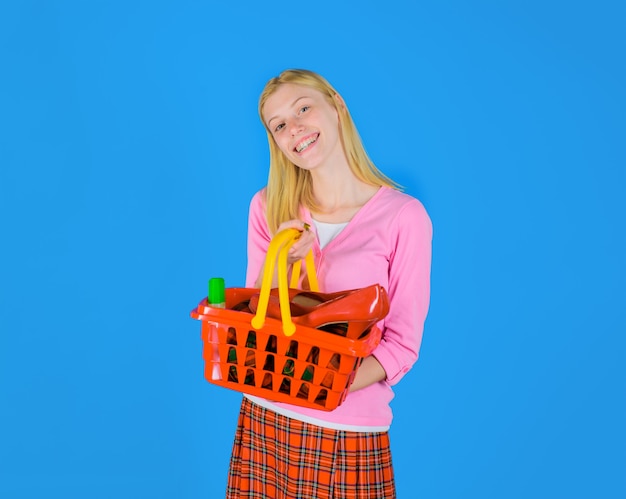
[(216, 290)]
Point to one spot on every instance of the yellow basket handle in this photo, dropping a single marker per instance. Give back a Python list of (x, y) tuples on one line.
[(280, 245)]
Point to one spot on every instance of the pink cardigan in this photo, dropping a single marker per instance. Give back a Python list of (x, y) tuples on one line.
[(387, 242)]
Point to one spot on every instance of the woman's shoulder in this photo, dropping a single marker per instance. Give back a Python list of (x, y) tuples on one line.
[(260, 194), (398, 202), (258, 199), (400, 214)]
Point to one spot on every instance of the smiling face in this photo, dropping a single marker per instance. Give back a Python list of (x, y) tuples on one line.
[(304, 125)]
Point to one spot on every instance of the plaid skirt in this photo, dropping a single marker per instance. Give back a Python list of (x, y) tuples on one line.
[(276, 457)]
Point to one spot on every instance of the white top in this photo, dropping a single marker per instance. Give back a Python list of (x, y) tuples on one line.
[(327, 232)]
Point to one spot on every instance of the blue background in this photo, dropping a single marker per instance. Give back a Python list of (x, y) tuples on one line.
[(130, 147)]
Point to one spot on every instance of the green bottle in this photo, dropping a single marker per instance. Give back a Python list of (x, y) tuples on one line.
[(217, 291)]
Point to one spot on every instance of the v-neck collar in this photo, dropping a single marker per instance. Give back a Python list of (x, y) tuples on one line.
[(346, 230)]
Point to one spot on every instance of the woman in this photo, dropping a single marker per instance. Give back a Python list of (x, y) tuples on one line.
[(363, 231)]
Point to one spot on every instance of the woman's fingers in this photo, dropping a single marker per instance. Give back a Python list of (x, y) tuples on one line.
[(293, 224), (303, 245)]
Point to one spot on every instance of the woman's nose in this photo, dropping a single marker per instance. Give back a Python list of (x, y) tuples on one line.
[(295, 127)]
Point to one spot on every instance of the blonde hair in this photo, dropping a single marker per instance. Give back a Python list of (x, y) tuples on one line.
[(290, 187)]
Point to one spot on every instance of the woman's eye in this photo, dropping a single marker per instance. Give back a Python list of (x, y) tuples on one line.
[(278, 128), (304, 109)]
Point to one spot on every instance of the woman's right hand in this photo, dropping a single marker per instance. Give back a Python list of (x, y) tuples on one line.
[(303, 245), (298, 250)]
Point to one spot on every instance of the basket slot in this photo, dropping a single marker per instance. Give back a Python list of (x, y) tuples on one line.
[(303, 392), (334, 362), (268, 365), (251, 339), (271, 344), (232, 355), (308, 374), (250, 359), (233, 375), (231, 336), (268, 382), (292, 351), (289, 368), (313, 356), (320, 399), (249, 379), (328, 380), (285, 386)]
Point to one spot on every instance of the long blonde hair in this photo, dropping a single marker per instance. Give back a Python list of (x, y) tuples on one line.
[(290, 187)]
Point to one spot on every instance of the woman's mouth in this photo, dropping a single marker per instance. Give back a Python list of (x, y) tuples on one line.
[(302, 146)]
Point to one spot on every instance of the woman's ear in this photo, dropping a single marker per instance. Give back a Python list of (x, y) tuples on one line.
[(340, 103)]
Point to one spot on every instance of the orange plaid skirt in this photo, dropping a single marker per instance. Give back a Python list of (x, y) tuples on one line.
[(276, 457)]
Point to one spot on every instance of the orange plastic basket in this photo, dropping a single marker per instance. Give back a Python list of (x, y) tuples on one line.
[(275, 358)]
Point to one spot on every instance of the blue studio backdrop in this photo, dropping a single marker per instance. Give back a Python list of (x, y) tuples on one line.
[(130, 147)]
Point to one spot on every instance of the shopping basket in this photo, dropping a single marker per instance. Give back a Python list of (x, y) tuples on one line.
[(278, 358)]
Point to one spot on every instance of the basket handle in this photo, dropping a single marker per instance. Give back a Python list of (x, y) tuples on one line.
[(280, 245)]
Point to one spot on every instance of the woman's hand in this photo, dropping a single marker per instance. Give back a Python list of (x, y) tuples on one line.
[(303, 245), (298, 250), (369, 372)]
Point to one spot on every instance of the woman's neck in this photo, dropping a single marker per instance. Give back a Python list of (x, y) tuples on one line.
[(339, 196)]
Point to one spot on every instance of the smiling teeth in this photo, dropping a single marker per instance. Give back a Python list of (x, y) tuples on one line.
[(303, 145)]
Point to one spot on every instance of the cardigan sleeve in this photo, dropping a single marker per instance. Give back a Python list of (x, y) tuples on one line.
[(258, 238), (410, 238)]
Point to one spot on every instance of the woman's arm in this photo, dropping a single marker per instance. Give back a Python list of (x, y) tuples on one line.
[(369, 373), (408, 290)]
